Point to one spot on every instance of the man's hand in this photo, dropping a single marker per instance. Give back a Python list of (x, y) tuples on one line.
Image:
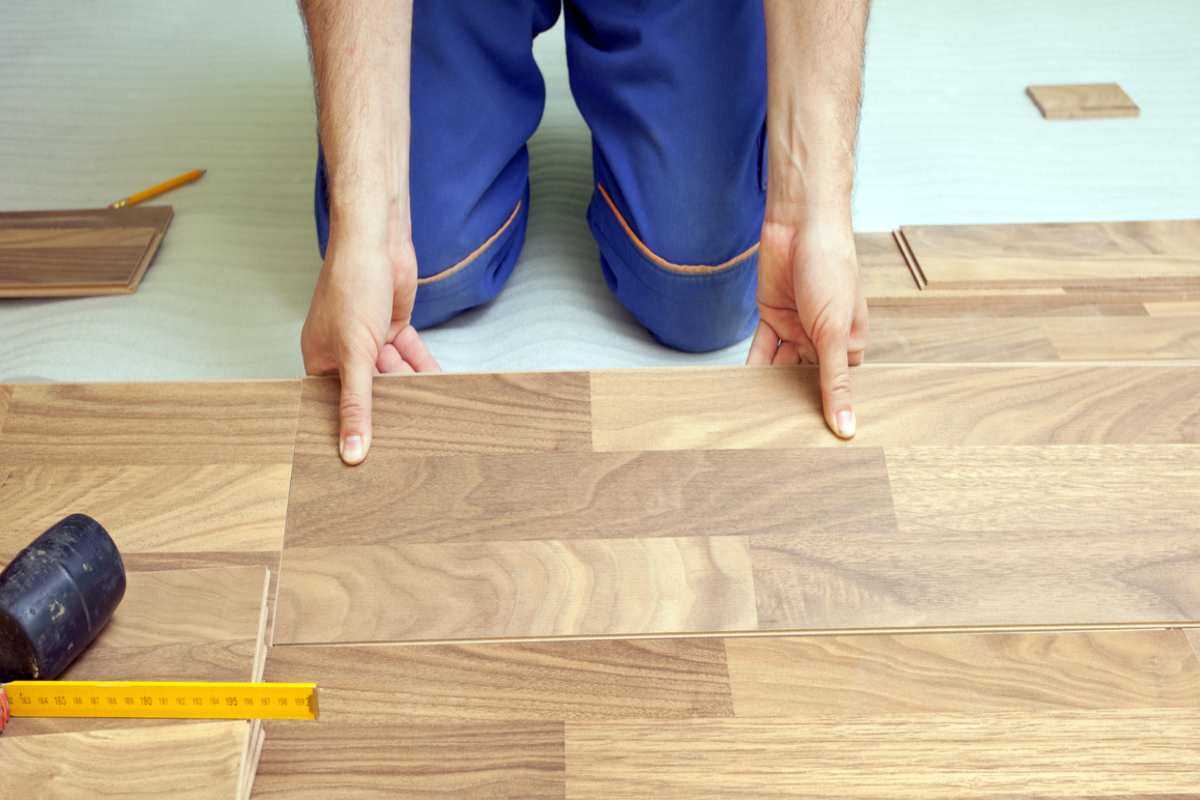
[(811, 309), (358, 326), (810, 303), (359, 323)]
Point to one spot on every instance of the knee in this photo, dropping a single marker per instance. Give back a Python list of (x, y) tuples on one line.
[(695, 307)]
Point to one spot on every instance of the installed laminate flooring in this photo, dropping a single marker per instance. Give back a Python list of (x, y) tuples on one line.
[(1164, 253), (184, 761)]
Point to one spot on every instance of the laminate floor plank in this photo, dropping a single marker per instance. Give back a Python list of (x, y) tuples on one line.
[(881, 267), (1042, 754), (570, 495), (803, 676), (926, 340), (974, 580), (5, 396), (472, 413), (81, 252), (151, 424), (181, 625), (593, 679), (182, 761), (346, 761), (172, 508), (1009, 492), (422, 592), (1082, 101), (1193, 636), (1190, 308), (779, 407), (1141, 338), (1082, 254)]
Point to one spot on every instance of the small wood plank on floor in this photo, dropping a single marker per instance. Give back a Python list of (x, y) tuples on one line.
[(1082, 101)]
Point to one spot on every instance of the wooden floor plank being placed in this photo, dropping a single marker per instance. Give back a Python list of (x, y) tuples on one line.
[(1042, 754), (744, 408), (478, 498)]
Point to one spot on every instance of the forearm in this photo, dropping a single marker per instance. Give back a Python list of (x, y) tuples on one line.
[(361, 56), (814, 88)]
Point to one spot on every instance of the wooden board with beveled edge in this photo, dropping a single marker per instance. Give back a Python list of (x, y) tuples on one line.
[(80, 252), (1087, 255), (1082, 101)]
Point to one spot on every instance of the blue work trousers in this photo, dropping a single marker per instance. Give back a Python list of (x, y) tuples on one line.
[(674, 92)]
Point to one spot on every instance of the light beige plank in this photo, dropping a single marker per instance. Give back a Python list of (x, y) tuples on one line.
[(774, 407), (227, 507), (1014, 492), (5, 395), (556, 495), (1084, 254), (183, 762), (441, 413), (1043, 754), (881, 267), (1082, 101), (927, 340), (592, 679), (875, 674), (164, 423), (373, 593), (347, 761), (1181, 309), (1193, 636), (1139, 338)]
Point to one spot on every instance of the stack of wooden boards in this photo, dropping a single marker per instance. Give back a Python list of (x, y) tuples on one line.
[(82, 252), (668, 583)]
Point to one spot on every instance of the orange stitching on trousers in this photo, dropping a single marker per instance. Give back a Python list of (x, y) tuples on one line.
[(686, 269), (446, 273)]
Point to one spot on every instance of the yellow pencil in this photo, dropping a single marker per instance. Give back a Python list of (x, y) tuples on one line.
[(157, 189)]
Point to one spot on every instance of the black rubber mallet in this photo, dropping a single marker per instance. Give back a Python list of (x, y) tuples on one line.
[(56, 596)]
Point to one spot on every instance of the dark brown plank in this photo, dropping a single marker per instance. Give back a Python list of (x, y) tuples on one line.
[(472, 413), (307, 761), (599, 679), (98, 251), (562, 495), (164, 423)]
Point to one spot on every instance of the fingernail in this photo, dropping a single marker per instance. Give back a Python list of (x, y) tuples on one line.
[(352, 449), (845, 423)]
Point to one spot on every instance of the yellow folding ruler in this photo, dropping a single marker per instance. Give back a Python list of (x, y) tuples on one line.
[(159, 699)]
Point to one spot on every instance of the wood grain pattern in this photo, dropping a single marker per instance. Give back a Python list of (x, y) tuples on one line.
[(1017, 491), (1151, 337), (881, 267), (166, 423), (437, 414), (5, 396), (1082, 101), (185, 761), (1084, 254), (1193, 636), (182, 625), (736, 408), (1189, 308), (929, 340), (875, 674), (84, 252), (560, 495), (227, 507), (979, 578), (417, 592), (591, 679), (977, 755), (347, 761)]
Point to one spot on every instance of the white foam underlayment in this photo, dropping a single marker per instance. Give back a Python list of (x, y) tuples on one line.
[(99, 100)]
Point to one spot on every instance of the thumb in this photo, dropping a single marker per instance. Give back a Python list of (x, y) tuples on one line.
[(355, 409), (835, 384)]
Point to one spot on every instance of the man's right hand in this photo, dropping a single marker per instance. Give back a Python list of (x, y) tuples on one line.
[(360, 324)]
